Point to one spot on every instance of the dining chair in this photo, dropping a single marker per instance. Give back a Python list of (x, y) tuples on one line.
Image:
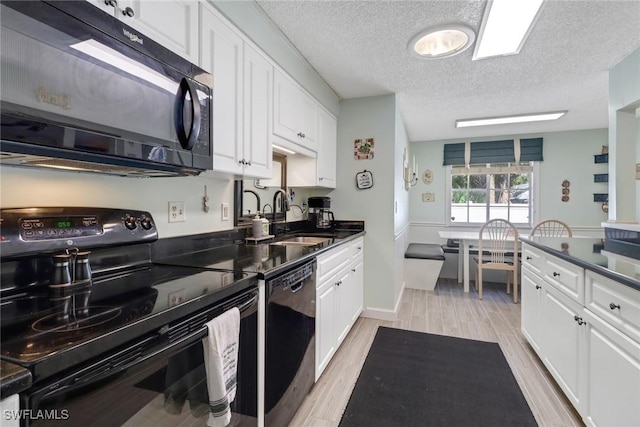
[(551, 228), (498, 250)]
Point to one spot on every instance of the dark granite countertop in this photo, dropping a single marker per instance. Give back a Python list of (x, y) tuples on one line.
[(13, 379), (263, 258), (588, 253)]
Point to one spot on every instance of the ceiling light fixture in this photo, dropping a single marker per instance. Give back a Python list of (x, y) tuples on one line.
[(505, 26), (442, 41), (524, 118)]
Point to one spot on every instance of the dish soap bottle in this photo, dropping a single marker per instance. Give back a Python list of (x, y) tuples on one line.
[(265, 226), (257, 226)]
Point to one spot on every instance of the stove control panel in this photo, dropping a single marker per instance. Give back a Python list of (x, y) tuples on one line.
[(36, 230)]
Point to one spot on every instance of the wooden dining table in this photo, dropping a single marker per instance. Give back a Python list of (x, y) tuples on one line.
[(465, 238)]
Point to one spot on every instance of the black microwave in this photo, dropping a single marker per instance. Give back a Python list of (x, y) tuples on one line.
[(83, 91)]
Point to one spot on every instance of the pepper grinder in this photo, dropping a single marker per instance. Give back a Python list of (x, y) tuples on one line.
[(59, 283), (82, 283)]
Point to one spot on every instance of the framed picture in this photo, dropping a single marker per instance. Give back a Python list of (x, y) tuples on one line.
[(363, 148), (364, 180)]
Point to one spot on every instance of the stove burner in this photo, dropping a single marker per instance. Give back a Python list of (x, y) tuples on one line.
[(79, 319)]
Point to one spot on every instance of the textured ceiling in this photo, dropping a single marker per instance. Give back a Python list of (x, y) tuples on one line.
[(360, 49)]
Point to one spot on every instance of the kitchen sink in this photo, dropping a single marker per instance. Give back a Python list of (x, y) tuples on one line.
[(302, 241)]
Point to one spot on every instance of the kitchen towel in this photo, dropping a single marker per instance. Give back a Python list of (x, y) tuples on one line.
[(220, 362)]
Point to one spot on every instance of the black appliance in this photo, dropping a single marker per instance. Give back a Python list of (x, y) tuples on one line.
[(320, 215), (290, 342), (83, 91), (116, 340)]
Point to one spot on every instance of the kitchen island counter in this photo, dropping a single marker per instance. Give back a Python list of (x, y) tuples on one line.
[(588, 253)]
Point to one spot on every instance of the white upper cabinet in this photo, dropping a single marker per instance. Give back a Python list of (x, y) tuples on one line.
[(258, 96), (327, 145), (294, 113), (242, 98), (171, 23)]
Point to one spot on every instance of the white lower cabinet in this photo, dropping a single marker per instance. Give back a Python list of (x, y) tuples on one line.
[(9, 411), (612, 376), (585, 337), (339, 298), (563, 341)]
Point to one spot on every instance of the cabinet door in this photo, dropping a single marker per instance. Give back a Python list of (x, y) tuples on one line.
[(285, 108), (171, 23), (308, 121), (344, 294), (563, 343), (327, 144), (325, 326), (258, 75), (612, 375), (357, 290), (531, 304), (222, 56)]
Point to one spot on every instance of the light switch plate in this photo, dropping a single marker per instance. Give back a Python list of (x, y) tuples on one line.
[(177, 212), (428, 197), (224, 209)]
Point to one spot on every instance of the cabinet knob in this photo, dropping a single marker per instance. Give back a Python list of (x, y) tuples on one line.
[(320, 179), (538, 287), (555, 274), (353, 269), (299, 135), (248, 163), (339, 283), (579, 320), (529, 258), (613, 306), (304, 136), (359, 248), (112, 3), (128, 12)]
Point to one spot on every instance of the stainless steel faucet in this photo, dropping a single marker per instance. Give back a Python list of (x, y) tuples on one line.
[(257, 199), (284, 203)]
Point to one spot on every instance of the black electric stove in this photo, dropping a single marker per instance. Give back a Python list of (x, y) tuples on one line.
[(48, 330)]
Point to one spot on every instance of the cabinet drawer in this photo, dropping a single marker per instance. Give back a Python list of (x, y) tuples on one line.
[(533, 258), (357, 248), (566, 277), (617, 304), (333, 261)]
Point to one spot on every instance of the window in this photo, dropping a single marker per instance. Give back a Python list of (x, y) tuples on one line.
[(483, 192)]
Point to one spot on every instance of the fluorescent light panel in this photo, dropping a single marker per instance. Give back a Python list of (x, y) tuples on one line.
[(505, 26), (510, 119)]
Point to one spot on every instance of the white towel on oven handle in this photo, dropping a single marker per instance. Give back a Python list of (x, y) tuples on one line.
[(221, 361)]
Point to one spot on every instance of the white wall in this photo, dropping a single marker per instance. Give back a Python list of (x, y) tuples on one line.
[(624, 100), (23, 187), (372, 117), (567, 155)]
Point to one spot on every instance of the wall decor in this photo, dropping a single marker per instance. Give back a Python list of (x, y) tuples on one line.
[(565, 190), (364, 180), (427, 177), (363, 149)]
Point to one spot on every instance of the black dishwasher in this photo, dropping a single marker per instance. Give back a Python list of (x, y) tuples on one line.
[(289, 341)]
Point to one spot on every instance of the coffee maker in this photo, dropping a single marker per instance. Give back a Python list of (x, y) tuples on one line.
[(319, 214)]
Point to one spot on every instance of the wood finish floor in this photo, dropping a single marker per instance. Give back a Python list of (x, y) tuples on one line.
[(445, 311)]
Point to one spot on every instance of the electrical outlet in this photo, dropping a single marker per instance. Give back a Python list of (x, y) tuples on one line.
[(176, 298), (428, 197), (225, 211), (177, 212)]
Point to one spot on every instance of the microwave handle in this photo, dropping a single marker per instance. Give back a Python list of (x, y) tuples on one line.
[(187, 141)]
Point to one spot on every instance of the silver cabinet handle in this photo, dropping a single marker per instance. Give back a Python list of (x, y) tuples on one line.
[(613, 306)]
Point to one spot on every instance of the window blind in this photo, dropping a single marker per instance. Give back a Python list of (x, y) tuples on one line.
[(493, 152)]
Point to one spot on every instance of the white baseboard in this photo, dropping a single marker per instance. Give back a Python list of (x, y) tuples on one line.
[(384, 313)]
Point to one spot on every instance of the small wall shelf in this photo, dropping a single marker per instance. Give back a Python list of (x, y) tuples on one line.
[(601, 158), (601, 177)]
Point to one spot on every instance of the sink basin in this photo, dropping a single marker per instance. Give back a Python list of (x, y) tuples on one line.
[(302, 241)]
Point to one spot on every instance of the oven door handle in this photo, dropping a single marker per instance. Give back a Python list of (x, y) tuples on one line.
[(247, 304)]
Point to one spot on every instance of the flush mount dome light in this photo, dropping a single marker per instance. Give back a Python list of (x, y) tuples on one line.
[(442, 41)]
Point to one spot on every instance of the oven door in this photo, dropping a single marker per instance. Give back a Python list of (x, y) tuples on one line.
[(164, 386)]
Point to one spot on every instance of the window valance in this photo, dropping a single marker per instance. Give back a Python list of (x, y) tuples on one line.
[(504, 151)]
